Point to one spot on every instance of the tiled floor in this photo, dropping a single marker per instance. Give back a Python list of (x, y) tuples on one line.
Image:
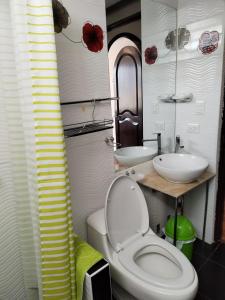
[(209, 262)]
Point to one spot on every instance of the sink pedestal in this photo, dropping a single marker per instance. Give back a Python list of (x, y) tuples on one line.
[(177, 190)]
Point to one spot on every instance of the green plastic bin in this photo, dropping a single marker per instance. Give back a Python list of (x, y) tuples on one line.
[(186, 234)]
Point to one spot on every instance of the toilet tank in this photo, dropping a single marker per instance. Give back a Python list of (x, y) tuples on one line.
[(97, 233)]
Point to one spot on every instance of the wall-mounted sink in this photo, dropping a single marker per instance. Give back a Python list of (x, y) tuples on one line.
[(131, 156), (180, 168)]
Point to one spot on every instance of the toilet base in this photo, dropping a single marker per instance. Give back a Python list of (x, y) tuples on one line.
[(119, 293)]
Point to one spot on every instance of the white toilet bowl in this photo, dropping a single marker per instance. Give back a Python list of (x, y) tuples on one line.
[(144, 265)]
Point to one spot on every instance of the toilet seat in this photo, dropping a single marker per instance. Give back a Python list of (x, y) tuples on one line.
[(162, 252), (139, 251), (126, 212)]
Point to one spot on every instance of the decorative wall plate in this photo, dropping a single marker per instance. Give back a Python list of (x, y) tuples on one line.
[(170, 40), (184, 36), (208, 42), (183, 39), (93, 37), (60, 15), (151, 55)]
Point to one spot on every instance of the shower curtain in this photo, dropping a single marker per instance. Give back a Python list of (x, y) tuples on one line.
[(36, 234)]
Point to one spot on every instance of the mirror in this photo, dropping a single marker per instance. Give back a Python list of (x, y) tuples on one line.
[(142, 38), (159, 78)]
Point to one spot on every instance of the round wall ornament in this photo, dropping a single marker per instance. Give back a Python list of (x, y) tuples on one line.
[(208, 42)]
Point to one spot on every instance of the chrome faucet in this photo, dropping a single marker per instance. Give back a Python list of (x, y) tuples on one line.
[(158, 140), (177, 145)]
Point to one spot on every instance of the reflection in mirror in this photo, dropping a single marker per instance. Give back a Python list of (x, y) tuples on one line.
[(171, 41), (183, 39), (142, 70), (184, 36)]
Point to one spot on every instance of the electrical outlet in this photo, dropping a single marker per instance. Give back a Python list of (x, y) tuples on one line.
[(193, 128)]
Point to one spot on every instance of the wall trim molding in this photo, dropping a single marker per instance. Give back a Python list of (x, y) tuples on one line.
[(124, 21), (118, 5)]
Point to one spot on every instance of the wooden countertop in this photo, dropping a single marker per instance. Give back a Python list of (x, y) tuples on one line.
[(176, 190)]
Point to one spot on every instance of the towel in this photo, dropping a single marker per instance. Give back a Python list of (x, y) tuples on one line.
[(85, 258)]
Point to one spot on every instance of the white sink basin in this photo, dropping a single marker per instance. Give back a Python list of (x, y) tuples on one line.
[(131, 156), (180, 168)]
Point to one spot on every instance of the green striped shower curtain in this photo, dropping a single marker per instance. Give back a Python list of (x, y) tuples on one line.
[(33, 155), (56, 231)]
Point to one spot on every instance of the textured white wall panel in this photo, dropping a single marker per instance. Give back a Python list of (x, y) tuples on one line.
[(91, 171), (202, 76), (160, 207), (84, 75), (156, 18), (159, 79), (191, 11)]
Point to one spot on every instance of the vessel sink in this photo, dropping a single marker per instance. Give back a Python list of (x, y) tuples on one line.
[(131, 156), (180, 168)]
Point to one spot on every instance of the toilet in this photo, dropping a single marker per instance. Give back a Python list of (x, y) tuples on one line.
[(143, 266)]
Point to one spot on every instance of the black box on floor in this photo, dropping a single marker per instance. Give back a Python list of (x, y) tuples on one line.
[(97, 285)]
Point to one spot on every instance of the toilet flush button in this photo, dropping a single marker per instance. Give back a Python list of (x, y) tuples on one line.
[(133, 188)]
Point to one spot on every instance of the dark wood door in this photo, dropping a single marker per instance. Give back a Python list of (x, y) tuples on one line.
[(129, 115)]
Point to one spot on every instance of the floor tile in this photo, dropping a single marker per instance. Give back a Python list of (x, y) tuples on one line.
[(202, 297), (212, 281), (219, 255), (198, 261), (203, 248)]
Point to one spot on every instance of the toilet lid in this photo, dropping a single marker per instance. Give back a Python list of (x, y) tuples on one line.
[(126, 212)]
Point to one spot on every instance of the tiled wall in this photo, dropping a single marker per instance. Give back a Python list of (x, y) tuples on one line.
[(198, 122), (84, 75), (159, 78)]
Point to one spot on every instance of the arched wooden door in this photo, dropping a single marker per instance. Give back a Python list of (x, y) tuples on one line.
[(129, 114)]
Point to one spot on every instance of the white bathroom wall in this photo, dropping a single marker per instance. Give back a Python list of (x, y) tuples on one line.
[(201, 75), (84, 75), (198, 74), (159, 79)]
